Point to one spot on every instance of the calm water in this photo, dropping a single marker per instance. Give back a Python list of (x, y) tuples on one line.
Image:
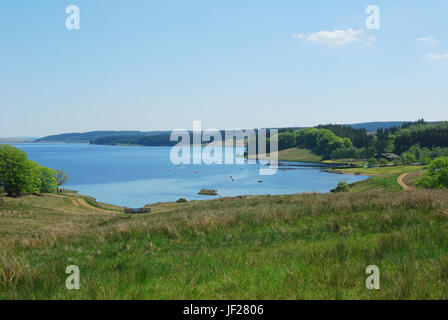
[(136, 176)]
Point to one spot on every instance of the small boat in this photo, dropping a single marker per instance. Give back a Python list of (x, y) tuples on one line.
[(260, 181), (196, 172)]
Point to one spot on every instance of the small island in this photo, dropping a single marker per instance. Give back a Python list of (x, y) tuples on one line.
[(208, 192)]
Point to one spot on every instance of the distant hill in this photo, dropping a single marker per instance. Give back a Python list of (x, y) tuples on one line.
[(17, 140), (153, 140), (94, 135), (137, 137)]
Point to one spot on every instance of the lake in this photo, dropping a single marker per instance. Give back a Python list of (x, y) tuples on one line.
[(135, 176)]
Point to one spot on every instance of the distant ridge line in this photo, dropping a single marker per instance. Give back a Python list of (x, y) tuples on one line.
[(95, 135)]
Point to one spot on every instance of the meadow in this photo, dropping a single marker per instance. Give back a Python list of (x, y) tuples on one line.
[(384, 178), (294, 154), (304, 246)]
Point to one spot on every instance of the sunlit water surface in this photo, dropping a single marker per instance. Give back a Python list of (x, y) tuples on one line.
[(136, 176)]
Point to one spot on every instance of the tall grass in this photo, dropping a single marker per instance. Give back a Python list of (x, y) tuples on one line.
[(307, 246)]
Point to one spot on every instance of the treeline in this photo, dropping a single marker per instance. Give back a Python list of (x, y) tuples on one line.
[(422, 155), (152, 141), (19, 175), (162, 139), (359, 137), (321, 141), (418, 140), (426, 136)]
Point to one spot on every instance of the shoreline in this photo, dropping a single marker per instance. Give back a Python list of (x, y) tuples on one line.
[(239, 196), (227, 190)]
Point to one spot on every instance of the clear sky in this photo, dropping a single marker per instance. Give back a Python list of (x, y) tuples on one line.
[(160, 64)]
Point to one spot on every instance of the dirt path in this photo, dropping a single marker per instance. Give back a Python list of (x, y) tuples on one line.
[(401, 183), (80, 202), (74, 202)]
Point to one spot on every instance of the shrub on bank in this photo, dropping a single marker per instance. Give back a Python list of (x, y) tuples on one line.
[(341, 187), (436, 177)]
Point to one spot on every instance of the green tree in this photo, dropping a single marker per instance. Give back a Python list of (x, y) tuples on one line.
[(416, 151), (398, 162), (436, 176), (61, 179), (425, 160), (286, 140), (17, 173), (372, 162), (48, 180), (408, 158), (346, 153), (33, 181), (368, 152)]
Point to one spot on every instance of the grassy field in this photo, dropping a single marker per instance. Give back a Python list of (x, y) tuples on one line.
[(308, 246), (306, 155), (297, 154), (383, 178)]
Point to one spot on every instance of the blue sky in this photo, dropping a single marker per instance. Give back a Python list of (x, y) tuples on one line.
[(159, 65)]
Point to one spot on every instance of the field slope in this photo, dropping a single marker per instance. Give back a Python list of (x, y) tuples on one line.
[(295, 154), (308, 246)]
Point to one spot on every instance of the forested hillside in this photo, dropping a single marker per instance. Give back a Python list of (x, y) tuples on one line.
[(415, 142), (151, 141), (93, 135)]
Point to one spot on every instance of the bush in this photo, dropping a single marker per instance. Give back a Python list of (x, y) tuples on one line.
[(408, 158), (425, 161), (384, 161), (436, 177), (398, 162), (372, 162), (341, 187)]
